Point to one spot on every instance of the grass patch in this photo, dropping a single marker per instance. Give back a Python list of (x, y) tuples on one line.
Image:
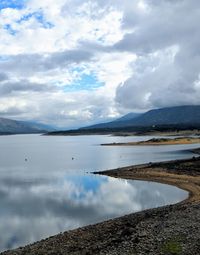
[(172, 246)]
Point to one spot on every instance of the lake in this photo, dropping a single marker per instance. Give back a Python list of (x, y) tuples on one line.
[(45, 187)]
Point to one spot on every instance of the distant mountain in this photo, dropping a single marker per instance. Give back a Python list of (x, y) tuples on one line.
[(8, 126), (187, 115), (120, 122), (39, 126), (129, 116)]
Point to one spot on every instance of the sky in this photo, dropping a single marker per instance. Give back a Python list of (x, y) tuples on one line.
[(72, 63)]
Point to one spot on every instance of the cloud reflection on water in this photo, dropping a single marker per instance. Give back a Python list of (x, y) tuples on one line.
[(32, 209)]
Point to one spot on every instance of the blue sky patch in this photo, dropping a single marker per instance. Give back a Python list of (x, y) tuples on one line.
[(14, 4), (85, 82), (9, 29), (87, 182), (4, 58), (39, 17)]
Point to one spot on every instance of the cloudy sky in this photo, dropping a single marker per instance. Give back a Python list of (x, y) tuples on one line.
[(72, 63)]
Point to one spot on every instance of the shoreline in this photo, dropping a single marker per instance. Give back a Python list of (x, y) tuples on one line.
[(137, 233), (155, 173), (158, 141), (130, 131)]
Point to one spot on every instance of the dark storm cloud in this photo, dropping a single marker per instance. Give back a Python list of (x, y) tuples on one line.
[(3, 77), (13, 111), (31, 63), (8, 88), (167, 25)]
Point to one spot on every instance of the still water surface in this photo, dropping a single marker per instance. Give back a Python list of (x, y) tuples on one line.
[(45, 188)]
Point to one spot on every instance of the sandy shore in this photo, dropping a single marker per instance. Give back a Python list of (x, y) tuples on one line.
[(173, 229), (159, 141), (181, 173), (171, 133)]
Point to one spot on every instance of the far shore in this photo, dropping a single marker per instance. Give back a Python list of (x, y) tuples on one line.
[(159, 141), (172, 229), (134, 131)]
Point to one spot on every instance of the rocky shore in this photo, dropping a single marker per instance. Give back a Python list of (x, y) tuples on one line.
[(173, 229)]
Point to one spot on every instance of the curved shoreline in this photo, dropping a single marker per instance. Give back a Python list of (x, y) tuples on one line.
[(156, 230), (148, 172)]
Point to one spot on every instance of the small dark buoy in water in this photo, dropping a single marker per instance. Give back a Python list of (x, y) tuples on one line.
[(72, 158), (26, 159)]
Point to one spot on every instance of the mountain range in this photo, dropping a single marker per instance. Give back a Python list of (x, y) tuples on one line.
[(186, 115), (120, 122), (8, 126)]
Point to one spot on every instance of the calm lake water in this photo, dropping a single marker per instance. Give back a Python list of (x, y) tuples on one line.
[(45, 188)]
